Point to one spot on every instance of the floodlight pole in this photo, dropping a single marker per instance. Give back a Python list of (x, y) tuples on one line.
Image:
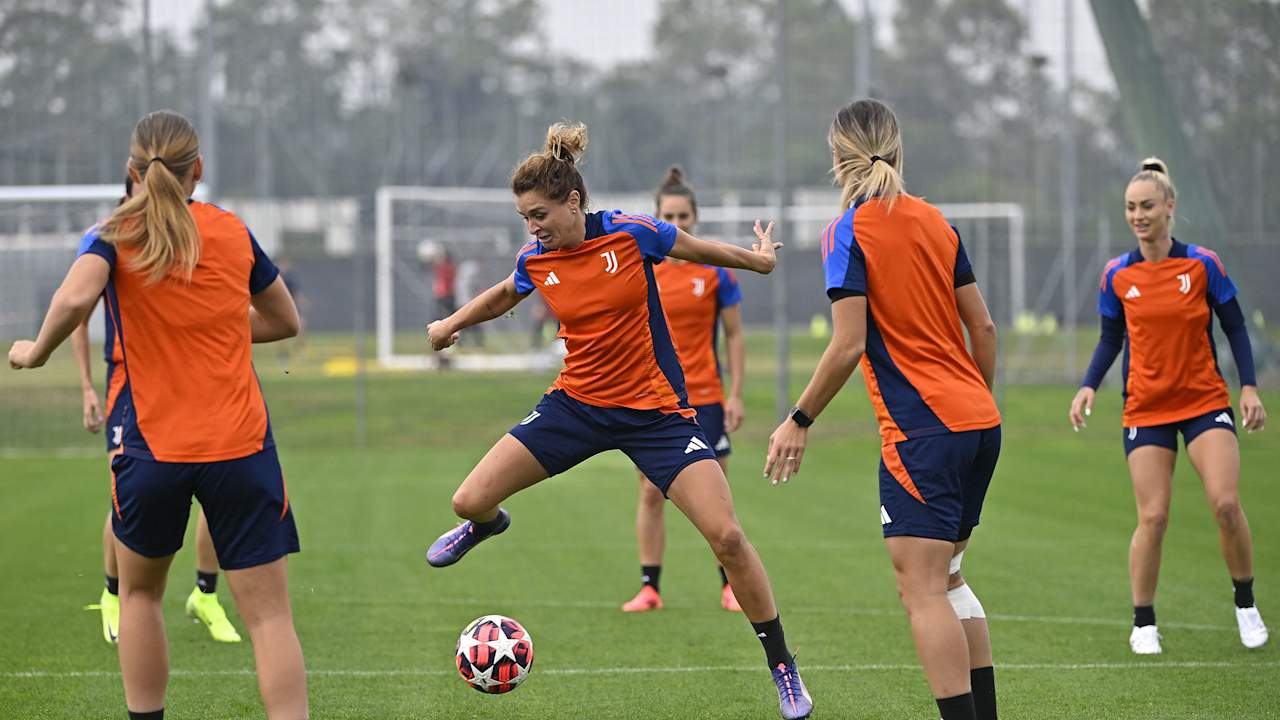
[(146, 59), (1068, 199), (782, 189)]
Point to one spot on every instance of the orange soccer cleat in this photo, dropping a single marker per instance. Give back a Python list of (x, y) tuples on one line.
[(646, 599)]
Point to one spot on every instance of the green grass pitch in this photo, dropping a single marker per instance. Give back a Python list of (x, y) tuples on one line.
[(378, 625)]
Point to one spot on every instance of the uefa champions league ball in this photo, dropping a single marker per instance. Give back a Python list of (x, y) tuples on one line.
[(495, 654)]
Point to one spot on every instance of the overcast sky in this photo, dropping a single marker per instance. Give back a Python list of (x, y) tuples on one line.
[(574, 28)]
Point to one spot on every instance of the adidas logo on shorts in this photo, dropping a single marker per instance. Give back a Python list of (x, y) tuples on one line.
[(884, 516), (723, 444), (695, 443), (1225, 419)]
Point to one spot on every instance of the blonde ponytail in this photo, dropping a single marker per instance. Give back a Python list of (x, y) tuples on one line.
[(156, 222), (868, 152)]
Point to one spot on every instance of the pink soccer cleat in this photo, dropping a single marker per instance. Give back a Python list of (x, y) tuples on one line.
[(645, 600), (728, 601)]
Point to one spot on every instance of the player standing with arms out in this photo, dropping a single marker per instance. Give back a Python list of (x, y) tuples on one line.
[(697, 298), (1156, 303), (202, 603), (188, 290), (621, 388), (901, 286)]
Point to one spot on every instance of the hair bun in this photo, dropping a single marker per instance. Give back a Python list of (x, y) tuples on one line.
[(675, 176), (567, 141), (1155, 164)]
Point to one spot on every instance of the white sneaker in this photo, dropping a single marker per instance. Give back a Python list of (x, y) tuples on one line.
[(1253, 633), (1145, 640)]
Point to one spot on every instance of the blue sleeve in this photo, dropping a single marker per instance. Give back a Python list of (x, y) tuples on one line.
[(728, 293), (1108, 303), (93, 244), (655, 237), (964, 269), (264, 271), (1233, 326), (1109, 345), (524, 284), (843, 263), (1221, 289)]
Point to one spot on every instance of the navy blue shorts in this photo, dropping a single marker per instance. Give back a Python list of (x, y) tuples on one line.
[(933, 487), (562, 432), (244, 500), (711, 420), (1166, 436)]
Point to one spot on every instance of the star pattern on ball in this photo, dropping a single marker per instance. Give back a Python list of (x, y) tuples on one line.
[(466, 643), (485, 679), (503, 647)]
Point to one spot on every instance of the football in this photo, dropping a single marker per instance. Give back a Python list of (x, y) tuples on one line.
[(495, 654)]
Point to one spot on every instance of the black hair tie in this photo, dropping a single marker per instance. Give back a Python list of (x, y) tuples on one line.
[(156, 159), (874, 158)]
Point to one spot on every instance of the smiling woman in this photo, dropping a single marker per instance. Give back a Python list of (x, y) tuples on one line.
[(622, 386)]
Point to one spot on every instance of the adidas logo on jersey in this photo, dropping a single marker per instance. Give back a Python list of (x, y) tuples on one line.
[(1133, 293), (695, 443), (551, 279), (1225, 419)]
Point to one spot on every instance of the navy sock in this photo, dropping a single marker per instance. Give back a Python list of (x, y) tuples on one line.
[(1144, 615), (207, 582), (983, 682), (724, 579), (650, 575), (113, 584), (487, 528), (1244, 592), (152, 715), (774, 642), (959, 707)]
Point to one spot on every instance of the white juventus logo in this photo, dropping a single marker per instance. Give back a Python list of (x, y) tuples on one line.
[(699, 287), (551, 279), (695, 444), (117, 434), (1184, 283), (610, 261), (531, 417), (1133, 293)]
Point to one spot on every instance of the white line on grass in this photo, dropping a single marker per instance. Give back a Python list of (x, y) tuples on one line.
[(874, 667)]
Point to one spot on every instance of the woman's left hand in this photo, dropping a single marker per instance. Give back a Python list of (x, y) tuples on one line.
[(786, 450), (21, 355), (734, 412), (1252, 414)]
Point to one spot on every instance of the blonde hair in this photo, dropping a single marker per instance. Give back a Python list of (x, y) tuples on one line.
[(1153, 170), (554, 171), (868, 152), (157, 222)]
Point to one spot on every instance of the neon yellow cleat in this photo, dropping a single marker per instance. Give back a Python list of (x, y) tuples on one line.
[(205, 608), (109, 605)]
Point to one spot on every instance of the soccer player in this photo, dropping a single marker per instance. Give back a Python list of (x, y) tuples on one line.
[(901, 288), (188, 289), (621, 387), (697, 299), (202, 603), (1156, 303)]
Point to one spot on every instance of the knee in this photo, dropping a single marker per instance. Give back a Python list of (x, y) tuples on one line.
[(466, 504), (729, 543), (651, 497), (1226, 510), (1154, 523)]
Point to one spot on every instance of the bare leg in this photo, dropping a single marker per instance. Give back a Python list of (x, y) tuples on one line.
[(1216, 457), (262, 595), (1151, 468), (975, 629), (506, 469), (109, 565), (702, 494), (651, 532), (206, 556), (921, 565), (144, 651)]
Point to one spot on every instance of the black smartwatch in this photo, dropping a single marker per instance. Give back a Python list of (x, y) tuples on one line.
[(798, 417)]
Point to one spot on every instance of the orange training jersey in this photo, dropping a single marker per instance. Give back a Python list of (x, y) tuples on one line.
[(908, 262), (189, 392), (620, 352), (1170, 363), (693, 296)]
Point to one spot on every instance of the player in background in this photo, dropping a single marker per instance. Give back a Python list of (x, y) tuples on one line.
[(697, 299), (621, 388), (1156, 303), (188, 290), (901, 288), (202, 603)]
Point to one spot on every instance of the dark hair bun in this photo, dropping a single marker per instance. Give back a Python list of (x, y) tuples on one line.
[(1155, 164)]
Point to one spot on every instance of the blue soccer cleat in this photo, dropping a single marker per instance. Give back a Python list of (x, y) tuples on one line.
[(451, 546), (793, 697)]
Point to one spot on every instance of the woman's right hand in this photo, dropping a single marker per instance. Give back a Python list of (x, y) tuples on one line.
[(1081, 407), (92, 411), (765, 248), (441, 335)]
